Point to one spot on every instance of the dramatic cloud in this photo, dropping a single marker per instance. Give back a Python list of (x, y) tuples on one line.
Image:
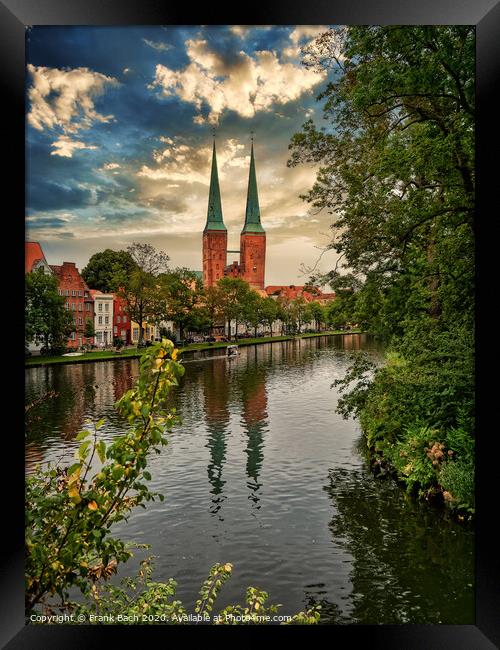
[(65, 146), (65, 98), (245, 85)]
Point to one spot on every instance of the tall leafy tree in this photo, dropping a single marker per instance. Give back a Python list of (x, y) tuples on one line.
[(140, 289), (47, 322), (107, 269), (396, 170), (396, 161), (181, 294), (234, 294)]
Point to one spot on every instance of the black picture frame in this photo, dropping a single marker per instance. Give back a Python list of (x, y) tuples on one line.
[(15, 15)]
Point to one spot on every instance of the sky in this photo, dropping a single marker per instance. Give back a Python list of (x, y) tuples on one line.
[(119, 135)]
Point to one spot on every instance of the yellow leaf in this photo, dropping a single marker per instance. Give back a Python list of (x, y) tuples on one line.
[(74, 494), (174, 354), (92, 505)]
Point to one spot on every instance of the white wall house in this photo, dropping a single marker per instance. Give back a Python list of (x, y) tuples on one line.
[(103, 318)]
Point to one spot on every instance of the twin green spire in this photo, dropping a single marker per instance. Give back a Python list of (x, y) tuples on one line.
[(252, 214), (214, 214)]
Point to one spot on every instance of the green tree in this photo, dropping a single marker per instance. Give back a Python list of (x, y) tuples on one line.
[(233, 294), (47, 322), (182, 296), (107, 269), (269, 312), (317, 313), (396, 168), (89, 331), (140, 289)]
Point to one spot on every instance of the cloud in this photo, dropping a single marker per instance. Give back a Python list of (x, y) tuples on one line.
[(183, 163), (307, 31), (65, 147), (245, 85), (109, 166), (65, 98), (158, 45)]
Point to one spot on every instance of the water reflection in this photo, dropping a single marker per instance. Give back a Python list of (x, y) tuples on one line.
[(262, 473), (253, 392), (404, 566), (216, 395)]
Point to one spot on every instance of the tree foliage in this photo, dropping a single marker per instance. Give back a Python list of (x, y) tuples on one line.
[(396, 170), (107, 269), (46, 320)]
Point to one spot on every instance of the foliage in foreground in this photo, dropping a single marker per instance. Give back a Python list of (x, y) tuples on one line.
[(417, 414), (141, 600), (70, 511)]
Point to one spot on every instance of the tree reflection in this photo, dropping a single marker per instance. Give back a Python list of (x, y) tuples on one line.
[(252, 384), (407, 566), (216, 395)]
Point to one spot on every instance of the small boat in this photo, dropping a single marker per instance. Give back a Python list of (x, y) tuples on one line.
[(232, 351)]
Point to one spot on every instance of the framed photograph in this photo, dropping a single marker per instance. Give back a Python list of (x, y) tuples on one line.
[(250, 265)]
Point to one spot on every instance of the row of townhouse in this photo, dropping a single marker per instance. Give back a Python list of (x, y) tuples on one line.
[(105, 311)]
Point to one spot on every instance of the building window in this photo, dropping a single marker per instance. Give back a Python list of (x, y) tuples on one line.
[(73, 292), (87, 307), (80, 306), (98, 336), (118, 319), (73, 336), (124, 319), (115, 330), (106, 320), (123, 334), (99, 307), (61, 292), (80, 322), (106, 307), (100, 320), (73, 306), (67, 292), (66, 304), (80, 292), (135, 333)]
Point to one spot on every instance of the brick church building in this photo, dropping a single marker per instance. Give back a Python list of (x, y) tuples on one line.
[(252, 264)]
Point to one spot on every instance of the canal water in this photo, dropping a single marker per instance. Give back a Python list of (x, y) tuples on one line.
[(264, 474)]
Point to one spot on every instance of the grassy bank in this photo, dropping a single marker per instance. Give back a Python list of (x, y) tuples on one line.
[(132, 353)]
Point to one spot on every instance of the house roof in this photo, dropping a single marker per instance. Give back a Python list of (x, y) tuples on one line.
[(292, 291), (32, 253)]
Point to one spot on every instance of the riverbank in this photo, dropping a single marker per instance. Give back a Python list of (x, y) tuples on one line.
[(132, 353)]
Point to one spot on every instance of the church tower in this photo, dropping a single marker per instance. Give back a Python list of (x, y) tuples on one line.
[(215, 233), (253, 236)]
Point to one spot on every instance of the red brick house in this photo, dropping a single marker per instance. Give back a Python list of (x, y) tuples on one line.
[(121, 320), (78, 300)]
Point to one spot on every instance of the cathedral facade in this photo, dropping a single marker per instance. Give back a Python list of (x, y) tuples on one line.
[(252, 264)]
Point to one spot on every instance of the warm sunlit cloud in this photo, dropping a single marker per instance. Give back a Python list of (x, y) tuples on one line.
[(246, 85), (65, 146), (65, 98)]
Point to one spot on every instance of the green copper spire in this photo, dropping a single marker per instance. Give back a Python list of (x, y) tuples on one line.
[(214, 214), (252, 215)]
